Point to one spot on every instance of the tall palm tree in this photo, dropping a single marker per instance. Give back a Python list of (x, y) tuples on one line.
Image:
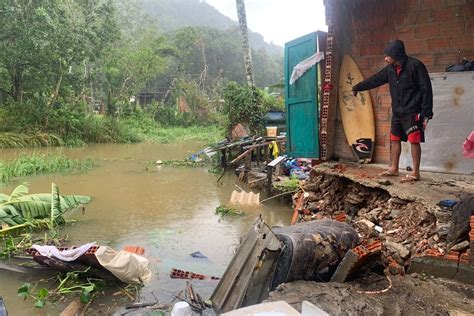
[(245, 40)]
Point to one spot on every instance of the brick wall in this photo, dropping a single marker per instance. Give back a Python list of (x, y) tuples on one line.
[(438, 32)]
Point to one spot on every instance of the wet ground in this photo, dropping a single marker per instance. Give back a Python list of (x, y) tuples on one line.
[(167, 210), (409, 295)]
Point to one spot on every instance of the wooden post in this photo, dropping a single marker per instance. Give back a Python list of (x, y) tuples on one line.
[(223, 158), (258, 156), (265, 153), (248, 161), (269, 179)]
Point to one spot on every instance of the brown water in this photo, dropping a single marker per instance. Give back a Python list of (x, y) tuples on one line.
[(167, 210)]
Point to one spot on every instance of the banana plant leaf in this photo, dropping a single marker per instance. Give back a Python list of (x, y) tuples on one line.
[(21, 207)]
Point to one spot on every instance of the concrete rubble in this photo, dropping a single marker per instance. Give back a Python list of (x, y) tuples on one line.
[(402, 229), (406, 220)]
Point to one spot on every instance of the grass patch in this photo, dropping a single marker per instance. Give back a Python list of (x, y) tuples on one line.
[(99, 129), (27, 165), (206, 134), (287, 185), (224, 210), (15, 140)]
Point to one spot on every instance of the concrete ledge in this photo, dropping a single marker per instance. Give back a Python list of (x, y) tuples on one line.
[(443, 268)]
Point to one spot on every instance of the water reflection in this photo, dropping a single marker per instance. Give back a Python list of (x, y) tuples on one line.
[(168, 211)]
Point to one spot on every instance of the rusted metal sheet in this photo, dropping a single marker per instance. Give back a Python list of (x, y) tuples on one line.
[(247, 278)]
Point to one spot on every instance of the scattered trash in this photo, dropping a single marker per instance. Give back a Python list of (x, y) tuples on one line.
[(181, 309), (198, 254), (461, 215), (244, 198), (194, 299), (104, 262), (180, 274), (447, 203)]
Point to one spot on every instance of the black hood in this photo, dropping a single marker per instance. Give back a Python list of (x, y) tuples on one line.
[(396, 50)]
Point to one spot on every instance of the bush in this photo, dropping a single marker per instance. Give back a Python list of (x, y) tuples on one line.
[(247, 105)]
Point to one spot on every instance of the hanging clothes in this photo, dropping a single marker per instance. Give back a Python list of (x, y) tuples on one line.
[(304, 65)]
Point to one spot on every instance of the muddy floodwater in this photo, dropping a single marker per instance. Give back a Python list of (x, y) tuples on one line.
[(169, 211)]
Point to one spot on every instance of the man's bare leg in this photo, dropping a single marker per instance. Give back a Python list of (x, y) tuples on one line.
[(416, 156), (395, 152)]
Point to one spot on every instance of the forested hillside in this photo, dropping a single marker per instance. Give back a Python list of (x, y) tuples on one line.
[(64, 62), (173, 14)]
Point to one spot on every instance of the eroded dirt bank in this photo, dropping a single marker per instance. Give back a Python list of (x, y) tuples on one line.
[(409, 295), (405, 221)]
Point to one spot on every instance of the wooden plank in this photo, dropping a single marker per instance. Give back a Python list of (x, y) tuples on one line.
[(263, 144), (276, 161), (245, 153)]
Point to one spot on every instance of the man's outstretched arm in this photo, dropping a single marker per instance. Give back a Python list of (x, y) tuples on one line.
[(375, 81)]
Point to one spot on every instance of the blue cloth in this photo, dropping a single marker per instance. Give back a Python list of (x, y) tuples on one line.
[(447, 203), (198, 255)]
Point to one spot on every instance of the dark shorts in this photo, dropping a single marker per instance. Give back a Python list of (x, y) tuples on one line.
[(408, 127)]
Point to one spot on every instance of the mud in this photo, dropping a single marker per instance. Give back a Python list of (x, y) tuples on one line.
[(408, 219), (409, 295), (409, 223)]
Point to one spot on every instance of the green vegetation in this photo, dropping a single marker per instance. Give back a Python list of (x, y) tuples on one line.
[(12, 140), (247, 105), (26, 165), (288, 185), (20, 209), (12, 243), (224, 210), (148, 130), (101, 71), (74, 282)]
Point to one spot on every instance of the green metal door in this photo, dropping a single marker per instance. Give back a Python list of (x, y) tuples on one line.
[(302, 123)]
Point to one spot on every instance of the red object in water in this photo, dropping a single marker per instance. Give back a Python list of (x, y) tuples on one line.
[(134, 249)]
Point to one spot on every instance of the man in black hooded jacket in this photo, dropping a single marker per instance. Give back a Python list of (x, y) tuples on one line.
[(412, 103)]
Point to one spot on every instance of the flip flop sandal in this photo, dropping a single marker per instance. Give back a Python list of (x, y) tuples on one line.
[(387, 173), (409, 179)]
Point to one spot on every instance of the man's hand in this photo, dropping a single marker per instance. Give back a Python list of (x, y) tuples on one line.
[(425, 123)]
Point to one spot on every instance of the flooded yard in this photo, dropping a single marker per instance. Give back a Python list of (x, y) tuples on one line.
[(169, 211)]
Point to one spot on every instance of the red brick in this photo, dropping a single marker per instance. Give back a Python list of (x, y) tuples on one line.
[(427, 30), (415, 46), (443, 15), (363, 62), (406, 33), (470, 27), (401, 20), (437, 4), (426, 58), (385, 8), (462, 43), (406, 5), (455, 2), (437, 44), (450, 28), (371, 49), (469, 11), (446, 58), (382, 35)]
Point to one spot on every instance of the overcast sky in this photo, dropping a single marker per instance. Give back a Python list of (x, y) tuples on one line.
[(279, 21)]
